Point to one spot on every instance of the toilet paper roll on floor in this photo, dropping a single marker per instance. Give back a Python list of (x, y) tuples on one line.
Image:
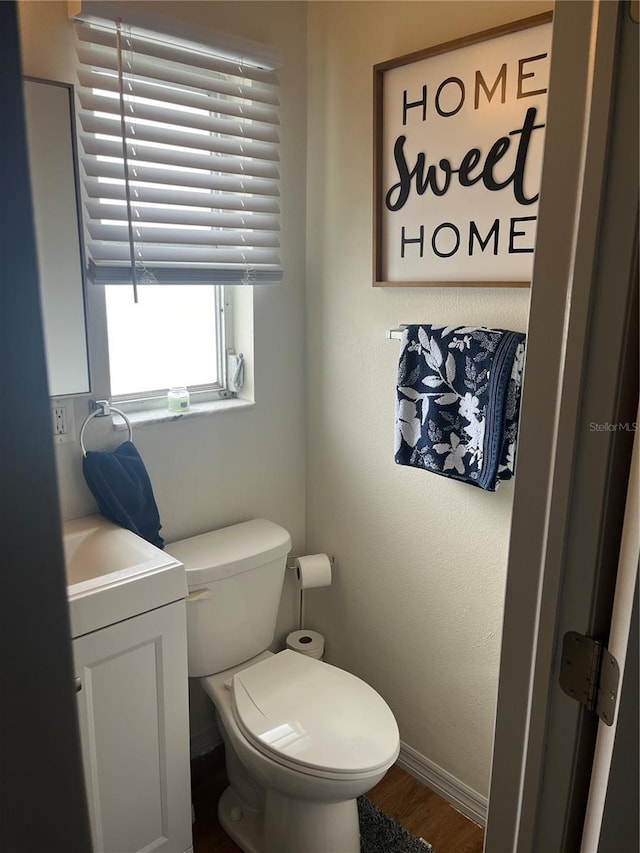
[(308, 643), (313, 570)]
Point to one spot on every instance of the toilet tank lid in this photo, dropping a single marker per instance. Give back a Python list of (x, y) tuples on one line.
[(230, 550)]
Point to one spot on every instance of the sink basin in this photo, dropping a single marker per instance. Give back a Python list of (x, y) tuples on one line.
[(93, 547), (113, 574)]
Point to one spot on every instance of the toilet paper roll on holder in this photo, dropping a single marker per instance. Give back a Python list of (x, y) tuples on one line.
[(293, 565)]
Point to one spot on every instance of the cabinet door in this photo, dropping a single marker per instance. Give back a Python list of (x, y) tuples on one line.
[(134, 727), (52, 166)]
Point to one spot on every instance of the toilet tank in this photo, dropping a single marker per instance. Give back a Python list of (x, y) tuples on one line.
[(235, 578)]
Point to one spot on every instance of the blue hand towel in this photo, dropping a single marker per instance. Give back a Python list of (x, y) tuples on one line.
[(458, 402), (121, 486)]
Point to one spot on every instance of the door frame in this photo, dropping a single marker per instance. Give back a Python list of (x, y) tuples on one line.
[(43, 802), (571, 485), (615, 767)]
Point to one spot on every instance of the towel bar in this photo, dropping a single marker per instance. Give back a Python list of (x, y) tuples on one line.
[(102, 408), (396, 334)]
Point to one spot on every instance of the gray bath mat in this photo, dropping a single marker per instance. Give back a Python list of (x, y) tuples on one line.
[(380, 833)]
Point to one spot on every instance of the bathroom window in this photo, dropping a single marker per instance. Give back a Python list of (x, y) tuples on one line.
[(180, 182), (173, 336)]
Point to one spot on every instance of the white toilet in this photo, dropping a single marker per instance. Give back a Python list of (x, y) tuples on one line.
[(302, 738)]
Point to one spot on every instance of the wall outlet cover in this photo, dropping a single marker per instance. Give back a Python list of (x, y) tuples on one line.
[(63, 421)]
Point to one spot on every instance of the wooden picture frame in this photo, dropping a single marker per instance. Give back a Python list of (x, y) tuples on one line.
[(458, 141)]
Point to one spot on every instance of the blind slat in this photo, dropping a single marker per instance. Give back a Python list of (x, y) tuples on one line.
[(138, 88), (226, 274), (163, 51), (207, 181), (95, 189), (209, 161), (105, 59), (92, 125), (147, 112), (151, 236), (176, 216), (155, 254)]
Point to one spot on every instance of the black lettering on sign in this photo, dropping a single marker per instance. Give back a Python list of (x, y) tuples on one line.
[(496, 153), (480, 83), (446, 113), (398, 193), (404, 240), (475, 234), (403, 187), (469, 162), (513, 234), (446, 238), (522, 76), (410, 105), (456, 233), (521, 157)]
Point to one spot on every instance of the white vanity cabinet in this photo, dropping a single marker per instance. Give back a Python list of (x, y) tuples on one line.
[(130, 656), (134, 730)]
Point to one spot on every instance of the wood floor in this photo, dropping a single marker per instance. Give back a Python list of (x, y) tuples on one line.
[(420, 811)]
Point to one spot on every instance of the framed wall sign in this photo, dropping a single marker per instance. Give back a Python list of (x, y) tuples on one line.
[(458, 141)]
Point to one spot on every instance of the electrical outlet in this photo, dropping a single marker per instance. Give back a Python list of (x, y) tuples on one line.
[(59, 420), (63, 421)]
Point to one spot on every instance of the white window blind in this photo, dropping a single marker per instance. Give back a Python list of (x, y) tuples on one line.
[(179, 156)]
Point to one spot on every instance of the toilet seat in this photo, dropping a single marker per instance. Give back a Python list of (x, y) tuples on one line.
[(313, 717)]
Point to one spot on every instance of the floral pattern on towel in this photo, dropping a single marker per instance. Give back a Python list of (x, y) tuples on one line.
[(448, 390)]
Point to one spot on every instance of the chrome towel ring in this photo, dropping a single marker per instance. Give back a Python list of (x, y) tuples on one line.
[(102, 408)]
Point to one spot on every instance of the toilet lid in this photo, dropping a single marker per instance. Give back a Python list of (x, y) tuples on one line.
[(308, 713)]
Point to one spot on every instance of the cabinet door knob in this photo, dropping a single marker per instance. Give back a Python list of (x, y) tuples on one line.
[(78, 684)]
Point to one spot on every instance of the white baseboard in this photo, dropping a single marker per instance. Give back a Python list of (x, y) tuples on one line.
[(204, 741), (463, 798)]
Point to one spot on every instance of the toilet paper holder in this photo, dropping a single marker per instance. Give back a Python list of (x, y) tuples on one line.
[(292, 561), (293, 564)]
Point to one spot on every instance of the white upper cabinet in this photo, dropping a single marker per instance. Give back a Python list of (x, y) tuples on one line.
[(52, 165)]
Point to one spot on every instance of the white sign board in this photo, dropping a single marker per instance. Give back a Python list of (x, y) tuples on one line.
[(459, 142)]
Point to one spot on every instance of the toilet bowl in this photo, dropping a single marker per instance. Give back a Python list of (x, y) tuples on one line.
[(303, 739), (315, 738)]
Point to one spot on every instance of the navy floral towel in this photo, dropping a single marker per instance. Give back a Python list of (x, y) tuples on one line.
[(458, 402)]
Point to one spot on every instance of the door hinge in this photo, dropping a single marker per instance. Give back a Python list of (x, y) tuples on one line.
[(589, 673)]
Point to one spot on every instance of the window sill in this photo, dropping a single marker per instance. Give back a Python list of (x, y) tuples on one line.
[(162, 416)]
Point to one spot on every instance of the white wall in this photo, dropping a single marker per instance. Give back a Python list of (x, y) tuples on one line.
[(416, 604), (211, 471)]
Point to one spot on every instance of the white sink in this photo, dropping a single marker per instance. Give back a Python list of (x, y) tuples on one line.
[(112, 574), (93, 548)]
